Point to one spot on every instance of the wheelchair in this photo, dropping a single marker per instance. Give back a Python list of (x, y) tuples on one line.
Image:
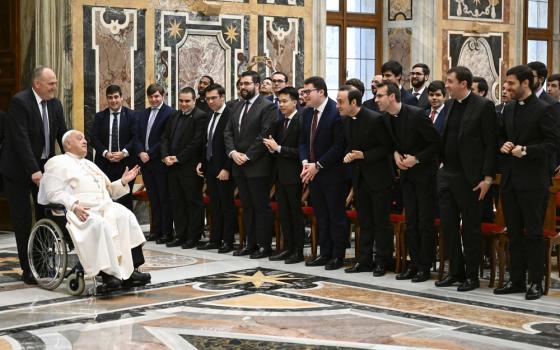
[(50, 251)]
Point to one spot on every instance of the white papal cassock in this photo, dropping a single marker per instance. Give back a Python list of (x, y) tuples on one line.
[(103, 242)]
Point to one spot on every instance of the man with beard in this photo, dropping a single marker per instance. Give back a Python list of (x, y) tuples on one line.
[(371, 104), (203, 83), (392, 71), (528, 135), (251, 121), (480, 86), (539, 76), (419, 76)]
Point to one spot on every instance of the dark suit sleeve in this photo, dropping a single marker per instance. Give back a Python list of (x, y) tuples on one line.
[(166, 137), (138, 135), (131, 145), (193, 149), (95, 134), (258, 149), (385, 144), (18, 127), (335, 154), (61, 124), (228, 135), (488, 115), (430, 135), (548, 125), (303, 140)]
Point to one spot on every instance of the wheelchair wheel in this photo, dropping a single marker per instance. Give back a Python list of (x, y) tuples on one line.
[(46, 251), (76, 284)]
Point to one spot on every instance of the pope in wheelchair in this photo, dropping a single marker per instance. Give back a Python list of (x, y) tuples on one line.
[(106, 235)]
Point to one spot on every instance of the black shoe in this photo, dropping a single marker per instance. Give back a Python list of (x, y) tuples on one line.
[(152, 237), (359, 267), (280, 256), (295, 258), (510, 288), (28, 278), (260, 253), (209, 245), (334, 264), (225, 248), (174, 243), (448, 281), (468, 285), (421, 276), (110, 282), (406, 274), (137, 279), (534, 292), (189, 244), (163, 240), (380, 270), (245, 251), (318, 261)]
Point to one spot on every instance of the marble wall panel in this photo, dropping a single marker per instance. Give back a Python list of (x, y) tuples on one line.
[(477, 10), (189, 46), (400, 10), (482, 54), (400, 44), (281, 39), (282, 2)]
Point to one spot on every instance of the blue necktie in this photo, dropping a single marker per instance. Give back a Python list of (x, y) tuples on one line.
[(47, 148)]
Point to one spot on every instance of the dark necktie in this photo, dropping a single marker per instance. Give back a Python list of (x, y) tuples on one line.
[(115, 133), (285, 129), (244, 113), (211, 136), (312, 136), (416, 94), (47, 148)]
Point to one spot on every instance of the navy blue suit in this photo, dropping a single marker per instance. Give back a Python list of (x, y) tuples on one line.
[(407, 98), (154, 171), (328, 190), (100, 135), (440, 120)]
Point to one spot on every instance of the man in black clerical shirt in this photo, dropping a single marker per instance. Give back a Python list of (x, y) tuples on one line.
[(203, 83)]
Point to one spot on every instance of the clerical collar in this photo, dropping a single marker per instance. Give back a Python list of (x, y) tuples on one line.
[(396, 115), (464, 98), (525, 101), (187, 113)]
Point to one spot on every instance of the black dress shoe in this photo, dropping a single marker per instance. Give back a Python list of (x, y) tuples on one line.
[(468, 285), (174, 243), (359, 267), (28, 278), (380, 270), (406, 274), (110, 282), (318, 261), (225, 248), (152, 237), (137, 279), (510, 288), (421, 276), (280, 256), (209, 245), (163, 240), (334, 264), (534, 292), (189, 244), (448, 281), (245, 251), (295, 258), (260, 253)]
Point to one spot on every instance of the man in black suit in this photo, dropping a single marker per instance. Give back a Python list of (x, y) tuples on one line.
[(468, 157), (252, 121), (392, 71), (371, 104), (419, 76), (553, 90), (112, 136), (284, 144), (150, 125), (480, 86), (368, 151), (539, 76), (216, 167), (321, 151), (181, 151), (35, 120), (436, 112), (203, 83), (417, 147), (529, 134)]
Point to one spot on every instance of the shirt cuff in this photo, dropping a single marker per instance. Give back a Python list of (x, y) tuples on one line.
[(278, 148), (104, 153), (230, 153), (125, 152)]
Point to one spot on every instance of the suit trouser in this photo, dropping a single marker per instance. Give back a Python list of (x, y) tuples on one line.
[(459, 204), (154, 175), (524, 215), (419, 206), (374, 215), (257, 215), (188, 208), (114, 171), (223, 209), (328, 202), (291, 216)]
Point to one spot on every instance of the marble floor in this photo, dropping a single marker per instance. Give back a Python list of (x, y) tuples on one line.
[(205, 300)]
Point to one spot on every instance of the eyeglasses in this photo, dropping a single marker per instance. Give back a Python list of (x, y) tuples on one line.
[(416, 73), (307, 92), (246, 83), (380, 95), (211, 98), (277, 81)]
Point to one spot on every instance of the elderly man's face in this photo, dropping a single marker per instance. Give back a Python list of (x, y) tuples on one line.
[(76, 144)]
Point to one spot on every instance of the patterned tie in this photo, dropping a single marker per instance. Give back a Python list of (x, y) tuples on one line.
[(433, 115), (115, 133), (312, 136), (244, 113), (211, 136), (416, 94), (46, 129), (153, 115)]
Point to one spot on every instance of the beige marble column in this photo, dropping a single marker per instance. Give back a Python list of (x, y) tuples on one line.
[(318, 49)]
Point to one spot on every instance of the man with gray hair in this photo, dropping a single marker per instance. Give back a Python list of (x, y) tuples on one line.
[(34, 121)]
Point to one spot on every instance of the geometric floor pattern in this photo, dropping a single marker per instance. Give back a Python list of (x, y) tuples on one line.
[(205, 300)]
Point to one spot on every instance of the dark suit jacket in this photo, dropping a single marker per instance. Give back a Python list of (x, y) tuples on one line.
[(440, 121), (189, 148), (24, 135), (258, 123), (202, 105), (423, 101), (220, 159), (100, 135), (278, 113), (374, 140), (155, 133), (371, 105), (329, 143), (287, 167), (408, 98), (477, 140), (547, 98), (2, 128), (421, 140), (539, 131)]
